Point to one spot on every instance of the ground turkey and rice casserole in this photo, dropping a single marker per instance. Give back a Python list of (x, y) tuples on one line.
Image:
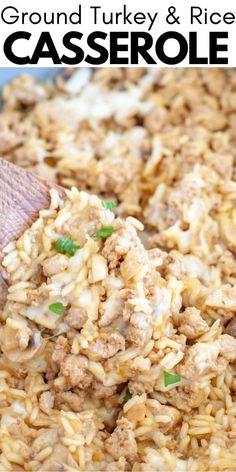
[(118, 336)]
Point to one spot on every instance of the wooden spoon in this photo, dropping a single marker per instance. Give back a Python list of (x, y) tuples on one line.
[(22, 195)]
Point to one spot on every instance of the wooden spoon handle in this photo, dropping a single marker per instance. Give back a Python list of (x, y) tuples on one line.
[(22, 195)]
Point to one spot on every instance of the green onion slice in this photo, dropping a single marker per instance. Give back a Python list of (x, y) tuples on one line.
[(109, 205), (66, 246), (127, 395), (104, 232), (170, 379), (57, 308)]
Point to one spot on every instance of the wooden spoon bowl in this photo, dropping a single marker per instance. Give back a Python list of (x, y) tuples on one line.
[(22, 195)]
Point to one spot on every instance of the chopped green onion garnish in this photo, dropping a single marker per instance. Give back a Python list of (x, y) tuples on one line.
[(104, 232), (57, 308), (170, 379), (66, 246), (127, 395), (109, 205)]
